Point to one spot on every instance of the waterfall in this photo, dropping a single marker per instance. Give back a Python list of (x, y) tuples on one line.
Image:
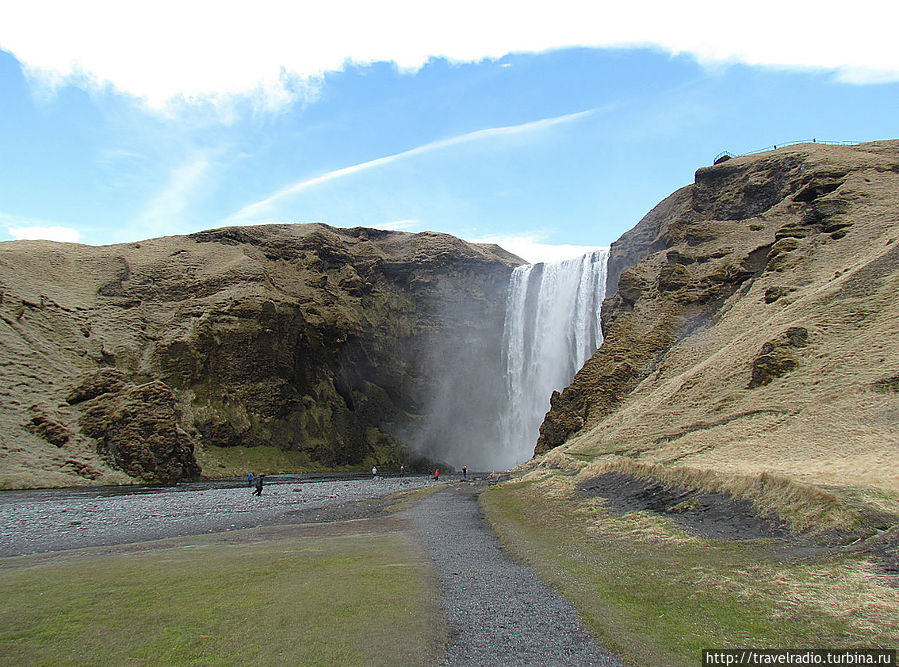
[(552, 326)]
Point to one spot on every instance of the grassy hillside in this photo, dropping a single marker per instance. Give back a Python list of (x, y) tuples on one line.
[(754, 332)]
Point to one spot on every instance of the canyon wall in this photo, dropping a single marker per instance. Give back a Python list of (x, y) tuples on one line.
[(119, 362)]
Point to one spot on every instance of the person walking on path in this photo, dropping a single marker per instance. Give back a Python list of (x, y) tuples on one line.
[(402, 471), (436, 474), (258, 489), (464, 472), (374, 472), (250, 479)]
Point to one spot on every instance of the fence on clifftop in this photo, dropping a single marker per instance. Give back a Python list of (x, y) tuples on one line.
[(726, 155)]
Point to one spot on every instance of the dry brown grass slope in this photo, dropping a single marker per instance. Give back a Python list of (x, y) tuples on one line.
[(753, 341)]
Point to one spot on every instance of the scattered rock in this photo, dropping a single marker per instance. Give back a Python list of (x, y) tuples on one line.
[(46, 427), (776, 357), (772, 294)]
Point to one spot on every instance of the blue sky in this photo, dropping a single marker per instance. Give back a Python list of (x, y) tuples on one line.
[(545, 131)]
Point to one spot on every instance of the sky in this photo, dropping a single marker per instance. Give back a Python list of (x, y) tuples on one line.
[(549, 128)]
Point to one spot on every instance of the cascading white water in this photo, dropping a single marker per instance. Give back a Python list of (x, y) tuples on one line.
[(552, 327)]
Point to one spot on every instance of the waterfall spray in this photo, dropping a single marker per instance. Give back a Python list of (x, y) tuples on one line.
[(552, 326)]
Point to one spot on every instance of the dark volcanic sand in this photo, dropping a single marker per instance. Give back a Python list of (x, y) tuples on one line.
[(711, 515), (722, 517)]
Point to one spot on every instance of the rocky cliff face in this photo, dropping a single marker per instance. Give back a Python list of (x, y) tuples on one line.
[(118, 361), (752, 324)]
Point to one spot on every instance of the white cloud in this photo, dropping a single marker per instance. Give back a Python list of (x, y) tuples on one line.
[(532, 250), (37, 233), (251, 212), (271, 49)]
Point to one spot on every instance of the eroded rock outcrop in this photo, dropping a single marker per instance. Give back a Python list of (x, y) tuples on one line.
[(331, 343), (136, 427), (777, 358)]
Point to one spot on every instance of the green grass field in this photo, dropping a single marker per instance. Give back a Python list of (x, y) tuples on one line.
[(355, 599), (656, 596)]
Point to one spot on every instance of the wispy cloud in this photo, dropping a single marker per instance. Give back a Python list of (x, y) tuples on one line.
[(164, 212), (253, 211), (399, 225)]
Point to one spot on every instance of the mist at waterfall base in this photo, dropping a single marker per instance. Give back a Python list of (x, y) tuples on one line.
[(495, 390)]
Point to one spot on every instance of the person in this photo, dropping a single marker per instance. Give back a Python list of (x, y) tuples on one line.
[(374, 472), (250, 479), (402, 471), (258, 490), (464, 472), (436, 474)]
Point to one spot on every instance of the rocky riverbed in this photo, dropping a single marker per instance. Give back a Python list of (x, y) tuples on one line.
[(41, 521)]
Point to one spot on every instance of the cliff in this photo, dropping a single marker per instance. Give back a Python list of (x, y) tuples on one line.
[(751, 327), (122, 363)]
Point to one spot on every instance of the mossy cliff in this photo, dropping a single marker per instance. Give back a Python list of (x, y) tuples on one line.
[(751, 326), (332, 343)]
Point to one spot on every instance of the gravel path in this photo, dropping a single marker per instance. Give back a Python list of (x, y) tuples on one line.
[(499, 612), (49, 521)]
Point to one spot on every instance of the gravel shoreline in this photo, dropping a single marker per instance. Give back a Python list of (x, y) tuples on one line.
[(499, 612), (55, 521)]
